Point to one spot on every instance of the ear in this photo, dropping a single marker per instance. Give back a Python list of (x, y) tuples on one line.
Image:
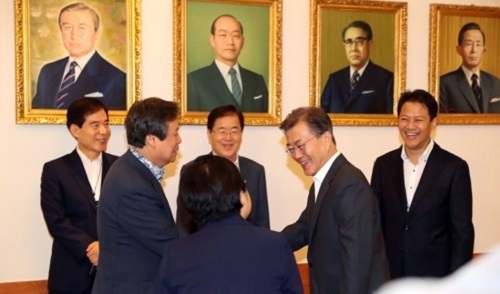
[(212, 40), (151, 141), (74, 130), (246, 204)]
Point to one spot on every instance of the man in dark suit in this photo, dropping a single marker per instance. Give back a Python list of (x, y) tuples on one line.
[(225, 81), (84, 73), (425, 197), (341, 222), (228, 255), (469, 89), (224, 131), (70, 189), (362, 87), (134, 221)]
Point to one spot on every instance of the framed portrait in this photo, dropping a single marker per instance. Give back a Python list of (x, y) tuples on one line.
[(66, 50), (464, 63), (228, 52), (358, 60)]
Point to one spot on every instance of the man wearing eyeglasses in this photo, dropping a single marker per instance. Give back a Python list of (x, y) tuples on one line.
[(363, 86), (341, 222), (225, 132)]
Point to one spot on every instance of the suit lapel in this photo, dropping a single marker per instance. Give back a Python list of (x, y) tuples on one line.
[(220, 87), (55, 83), (78, 173), (325, 186), (399, 181), (430, 174), (486, 86), (463, 85)]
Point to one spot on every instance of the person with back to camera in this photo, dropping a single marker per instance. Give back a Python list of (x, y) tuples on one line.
[(228, 254)]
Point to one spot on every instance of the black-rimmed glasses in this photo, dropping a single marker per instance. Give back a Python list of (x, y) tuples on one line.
[(358, 41)]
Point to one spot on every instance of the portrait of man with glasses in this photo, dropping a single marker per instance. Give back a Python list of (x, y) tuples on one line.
[(362, 86)]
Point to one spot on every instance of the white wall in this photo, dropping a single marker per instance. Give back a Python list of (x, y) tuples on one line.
[(25, 246)]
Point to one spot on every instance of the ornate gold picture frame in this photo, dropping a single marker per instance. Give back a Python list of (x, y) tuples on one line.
[(445, 63), (330, 65), (40, 47), (199, 84)]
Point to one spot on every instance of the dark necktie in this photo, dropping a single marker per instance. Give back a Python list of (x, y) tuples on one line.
[(235, 85), (354, 80), (69, 79), (477, 91)]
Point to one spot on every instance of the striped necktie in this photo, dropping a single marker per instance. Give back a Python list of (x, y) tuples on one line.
[(354, 80), (69, 79), (235, 85), (477, 91)]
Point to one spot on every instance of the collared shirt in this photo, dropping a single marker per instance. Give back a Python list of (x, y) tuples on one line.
[(155, 170), (468, 75), (360, 71), (93, 169), (413, 172), (321, 174), (82, 62), (224, 70)]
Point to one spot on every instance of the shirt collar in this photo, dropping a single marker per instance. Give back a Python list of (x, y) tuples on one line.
[(422, 157), (321, 174), (156, 170), (361, 70), (82, 61), (85, 159), (224, 68), (468, 73)]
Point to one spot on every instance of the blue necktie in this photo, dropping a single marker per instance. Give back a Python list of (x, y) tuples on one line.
[(235, 85), (69, 79)]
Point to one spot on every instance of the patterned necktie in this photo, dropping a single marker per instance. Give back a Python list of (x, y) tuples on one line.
[(354, 80), (235, 85), (477, 91), (69, 79)]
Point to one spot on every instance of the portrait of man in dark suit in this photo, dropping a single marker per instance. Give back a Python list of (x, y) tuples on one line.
[(225, 81), (469, 89), (363, 86), (84, 72)]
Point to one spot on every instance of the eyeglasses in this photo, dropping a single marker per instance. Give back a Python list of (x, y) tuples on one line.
[(358, 41), (291, 149), (224, 133)]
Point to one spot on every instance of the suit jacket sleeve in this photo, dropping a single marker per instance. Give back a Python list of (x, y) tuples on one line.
[(62, 229), (297, 233), (145, 218), (462, 230)]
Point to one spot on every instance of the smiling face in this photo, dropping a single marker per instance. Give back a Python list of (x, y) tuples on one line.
[(78, 31), (227, 40), (315, 152), (472, 49), (94, 134), (357, 54), (226, 137), (415, 127)]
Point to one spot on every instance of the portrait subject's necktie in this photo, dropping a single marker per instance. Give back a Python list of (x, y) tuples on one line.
[(354, 80), (69, 79), (477, 91), (235, 85)]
